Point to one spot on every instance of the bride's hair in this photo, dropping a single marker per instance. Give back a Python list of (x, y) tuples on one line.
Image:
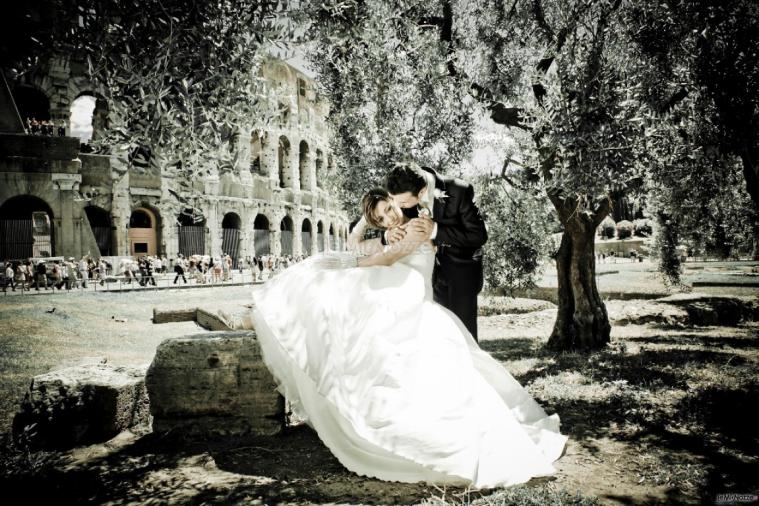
[(369, 204)]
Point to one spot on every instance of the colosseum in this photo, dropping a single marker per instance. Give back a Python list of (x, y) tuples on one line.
[(58, 200)]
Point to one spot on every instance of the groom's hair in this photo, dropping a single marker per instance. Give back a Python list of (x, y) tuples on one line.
[(406, 177)]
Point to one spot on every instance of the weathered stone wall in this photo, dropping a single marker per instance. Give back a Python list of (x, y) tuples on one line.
[(246, 191)]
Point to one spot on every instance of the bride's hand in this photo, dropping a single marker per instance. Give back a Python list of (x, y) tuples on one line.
[(335, 260), (420, 228), (395, 234)]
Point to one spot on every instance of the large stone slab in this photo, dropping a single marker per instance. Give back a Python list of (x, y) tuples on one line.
[(213, 383), (82, 405)]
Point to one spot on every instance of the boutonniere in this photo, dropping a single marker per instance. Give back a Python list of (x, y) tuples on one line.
[(439, 194)]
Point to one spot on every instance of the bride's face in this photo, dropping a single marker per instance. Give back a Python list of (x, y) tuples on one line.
[(388, 214)]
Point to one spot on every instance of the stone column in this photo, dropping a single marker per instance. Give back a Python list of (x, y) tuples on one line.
[(269, 158), (243, 164), (275, 242), (314, 236), (69, 237), (213, 225), (297, 238), (121, 205)]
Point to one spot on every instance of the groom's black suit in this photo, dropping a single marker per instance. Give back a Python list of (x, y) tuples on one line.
[(457, 278)]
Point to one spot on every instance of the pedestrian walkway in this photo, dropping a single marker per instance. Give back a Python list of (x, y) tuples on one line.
[(163, 282)]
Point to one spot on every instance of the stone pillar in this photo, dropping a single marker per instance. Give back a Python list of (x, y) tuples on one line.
[(213, 229), (169, 240), (295, 165), (314, 236), (269, 157), (68, 237), (213, 226), (275, 241), (327, 236), (121, 205), (297, 238), (243, 164)]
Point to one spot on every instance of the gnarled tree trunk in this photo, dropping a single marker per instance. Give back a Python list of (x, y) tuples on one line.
[(751, 175), (582, 322)]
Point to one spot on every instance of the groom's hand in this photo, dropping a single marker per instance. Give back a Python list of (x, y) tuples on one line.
[(421, 226), (394, 235)]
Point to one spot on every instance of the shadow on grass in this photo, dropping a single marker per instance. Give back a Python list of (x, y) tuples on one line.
[(701, 340), (294, 467), (663, 407), (512, 349)]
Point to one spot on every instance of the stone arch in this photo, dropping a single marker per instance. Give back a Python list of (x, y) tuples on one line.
[(320, 235), (191, 232), (332, 237), (283, 162), (286, 227), (282, 73), (305, 236), (88, 116), (27, 228), (231, 230), (319, 168), (257, 150), (32, 103), (303, 166), (261, 235), (144, 231), (102, 228)]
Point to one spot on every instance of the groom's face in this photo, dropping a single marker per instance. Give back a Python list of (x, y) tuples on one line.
[(407, 200)]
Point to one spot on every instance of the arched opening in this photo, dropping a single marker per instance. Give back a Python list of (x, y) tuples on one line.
[(89, 117), (100, 223), (320, 236), (261, 235), (305, 236), (284, 115), (191, 232), (257, 152), (283, 159), (230, 236), (332, 238), (305, 180), (33, 105), (319, 168), (143, 232), (286, 235), (26, 228)]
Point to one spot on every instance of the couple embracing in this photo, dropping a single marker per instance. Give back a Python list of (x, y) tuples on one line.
[(376, 348)]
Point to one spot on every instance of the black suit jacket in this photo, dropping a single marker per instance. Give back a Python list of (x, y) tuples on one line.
[(461, 230)]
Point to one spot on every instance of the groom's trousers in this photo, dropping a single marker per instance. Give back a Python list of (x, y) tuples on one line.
[(456, 285)]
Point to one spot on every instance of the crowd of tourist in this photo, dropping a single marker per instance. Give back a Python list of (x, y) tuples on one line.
[(67, 274), (58, 274), (45, 127)]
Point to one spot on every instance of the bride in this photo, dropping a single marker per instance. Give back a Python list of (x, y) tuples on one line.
[(392, 382)]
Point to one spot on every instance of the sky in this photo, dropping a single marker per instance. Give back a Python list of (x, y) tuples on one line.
[(81, 117)]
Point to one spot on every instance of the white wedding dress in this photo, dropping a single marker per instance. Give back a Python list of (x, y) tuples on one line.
[(393, 383)]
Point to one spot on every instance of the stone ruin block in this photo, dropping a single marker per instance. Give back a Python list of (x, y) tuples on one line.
[(213, 384), (82, 405)]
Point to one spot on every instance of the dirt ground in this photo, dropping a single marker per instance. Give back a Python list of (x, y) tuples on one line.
[(660, 417)]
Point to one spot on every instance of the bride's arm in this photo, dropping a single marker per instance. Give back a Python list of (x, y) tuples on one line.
[(394, 252), (357, 243)]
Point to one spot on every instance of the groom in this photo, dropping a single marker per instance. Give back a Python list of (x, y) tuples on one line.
[(451, 219)]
